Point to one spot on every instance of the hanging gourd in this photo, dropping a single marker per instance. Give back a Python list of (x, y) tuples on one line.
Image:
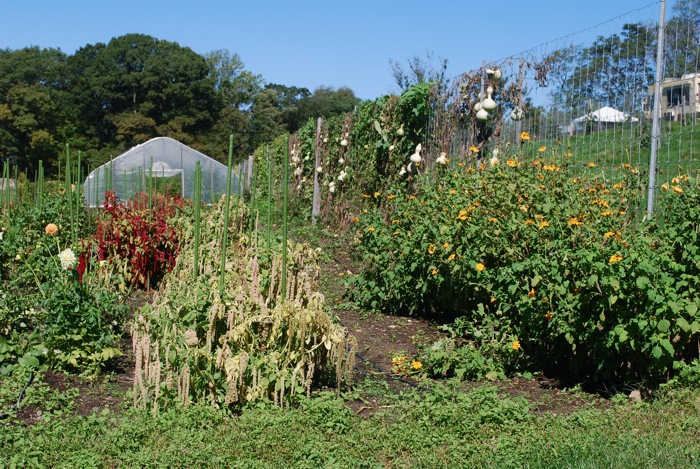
[(517, 114), (482, 115), (489, 104)]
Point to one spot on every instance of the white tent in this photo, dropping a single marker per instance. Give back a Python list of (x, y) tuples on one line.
[(602, 118), (162, 157), (606, 114)]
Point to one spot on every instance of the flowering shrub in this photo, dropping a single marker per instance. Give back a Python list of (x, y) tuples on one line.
[(138, 233), (522, 252)]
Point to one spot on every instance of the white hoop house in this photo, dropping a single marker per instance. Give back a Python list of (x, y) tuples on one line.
[(155, 162)]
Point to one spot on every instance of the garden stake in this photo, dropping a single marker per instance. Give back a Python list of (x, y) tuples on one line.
[(269, 195), (226, 209), (197, 207), (285, 192), (69, 192)]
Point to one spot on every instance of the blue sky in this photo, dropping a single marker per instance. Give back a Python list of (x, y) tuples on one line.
[(312, 43)]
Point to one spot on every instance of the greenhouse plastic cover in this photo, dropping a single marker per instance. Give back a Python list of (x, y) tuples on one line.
[(161, 157)]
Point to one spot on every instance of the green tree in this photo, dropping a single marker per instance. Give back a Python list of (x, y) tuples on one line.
[(168, 88), (327, 102), (236, 89), (615, 70), (32, 105), (290, 100), (682, 39)]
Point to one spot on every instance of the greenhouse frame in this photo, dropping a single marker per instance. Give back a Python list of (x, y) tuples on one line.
[(142, 167)]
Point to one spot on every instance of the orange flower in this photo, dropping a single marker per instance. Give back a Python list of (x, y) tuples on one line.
[(51, 229), (615, 258), (548, 316), (531, 293)]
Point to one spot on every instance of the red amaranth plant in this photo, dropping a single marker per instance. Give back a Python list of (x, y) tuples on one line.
[(129, 230)]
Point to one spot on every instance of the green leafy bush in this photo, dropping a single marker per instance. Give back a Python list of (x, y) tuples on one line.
[(565, 266)]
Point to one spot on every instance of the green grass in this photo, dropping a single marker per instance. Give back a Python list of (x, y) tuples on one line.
[(629, 144), (439, 428)]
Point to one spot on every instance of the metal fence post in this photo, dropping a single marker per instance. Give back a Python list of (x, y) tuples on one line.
[(655, 129)]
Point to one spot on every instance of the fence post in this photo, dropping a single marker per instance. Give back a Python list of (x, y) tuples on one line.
[(655, 130), (316, 206)]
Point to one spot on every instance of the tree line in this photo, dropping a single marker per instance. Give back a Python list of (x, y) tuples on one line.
[(106, 98)]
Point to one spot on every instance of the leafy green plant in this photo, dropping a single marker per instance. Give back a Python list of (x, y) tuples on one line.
[(521, 252)]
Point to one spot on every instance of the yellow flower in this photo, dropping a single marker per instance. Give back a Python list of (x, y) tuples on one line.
[(434, 272), (512, 163), (462, 215), (548, 316), (493, 300), (480, 267), (615, 258), (664, 187), (416, 365), (391, 196), (493, 220), (355, 220), (377, 194), (445, 246), (371, 228), (365, 196), (529, 222), (574, 222), (609, 234), (524, 136), (568, 154), (398, 360), (542, 224), (473, 149), (542, 149), (51, 229), (516, 345), (531, 293), (592, 164), (675, 181), (431, 249), (395, 221), (453, 192), (677, 190), (452, 256), (551, 167)]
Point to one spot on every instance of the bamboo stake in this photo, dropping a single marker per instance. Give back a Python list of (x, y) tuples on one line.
[(226, 210)]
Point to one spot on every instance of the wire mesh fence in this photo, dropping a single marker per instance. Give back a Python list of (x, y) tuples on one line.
[(587, 97)]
